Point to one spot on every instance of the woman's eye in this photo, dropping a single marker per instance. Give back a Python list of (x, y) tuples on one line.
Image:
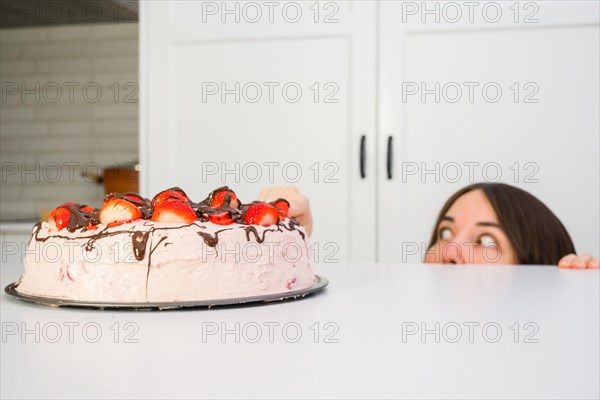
[(445, 233), (487, 240)]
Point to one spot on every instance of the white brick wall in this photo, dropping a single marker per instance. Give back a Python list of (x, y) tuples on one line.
[(60, 105)]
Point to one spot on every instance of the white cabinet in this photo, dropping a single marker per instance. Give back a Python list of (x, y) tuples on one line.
[(468, 100), (250, 95), (254, 104)]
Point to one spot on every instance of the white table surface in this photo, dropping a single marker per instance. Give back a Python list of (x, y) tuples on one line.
[(369, 305)]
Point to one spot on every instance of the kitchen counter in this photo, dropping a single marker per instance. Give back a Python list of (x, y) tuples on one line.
[(14, 235), (18, 227), (377, 331)]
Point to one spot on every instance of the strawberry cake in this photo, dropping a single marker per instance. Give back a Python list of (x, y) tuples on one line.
[(169, 249)]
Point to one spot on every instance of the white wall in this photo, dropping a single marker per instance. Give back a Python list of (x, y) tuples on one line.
[(42, 126)]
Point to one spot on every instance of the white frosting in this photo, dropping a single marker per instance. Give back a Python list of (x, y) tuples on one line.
[(178, 265)]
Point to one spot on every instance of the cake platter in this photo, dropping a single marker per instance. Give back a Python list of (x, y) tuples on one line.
[(253, 300)]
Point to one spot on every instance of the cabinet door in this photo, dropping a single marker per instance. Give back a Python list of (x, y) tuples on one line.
[(256, 94), (500, 91)]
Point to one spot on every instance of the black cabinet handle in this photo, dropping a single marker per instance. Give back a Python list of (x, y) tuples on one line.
[(363, 156), (390, 158)]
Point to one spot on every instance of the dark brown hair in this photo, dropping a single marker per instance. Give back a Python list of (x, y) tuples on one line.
[(537, 236)]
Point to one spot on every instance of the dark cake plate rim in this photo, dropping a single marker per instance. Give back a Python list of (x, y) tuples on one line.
[(322, 282)]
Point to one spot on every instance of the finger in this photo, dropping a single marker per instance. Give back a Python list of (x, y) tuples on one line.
[(262, 195), (292, 189), (585, 257), (280, 192), (269, 194), (593, 263), (298, 206), (296, 210), (579, 262), (567, 261), (582, 260)]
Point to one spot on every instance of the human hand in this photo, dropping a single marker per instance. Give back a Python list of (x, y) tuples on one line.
[(299, 204), (582, 261)]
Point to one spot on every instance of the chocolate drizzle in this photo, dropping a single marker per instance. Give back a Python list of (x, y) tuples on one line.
[(212, 240), (76, 219), (292, 227), (252, 229), (139, 240), (89, 245)]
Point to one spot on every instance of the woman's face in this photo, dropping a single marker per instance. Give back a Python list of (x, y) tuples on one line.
[(469, 233)]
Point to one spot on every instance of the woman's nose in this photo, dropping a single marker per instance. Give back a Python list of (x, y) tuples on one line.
[(453, 253)]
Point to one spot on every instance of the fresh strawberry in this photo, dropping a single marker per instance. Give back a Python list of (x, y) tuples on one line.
[(282, 206), (172, 194), (135, 198), (118, 210), (261, 214), (59, 218), (69, 215), (174, 211), (223, 218), (223, 198), (87, 209)]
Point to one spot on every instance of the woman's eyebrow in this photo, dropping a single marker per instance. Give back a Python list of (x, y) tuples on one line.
[(447, 218), (488, 224)]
